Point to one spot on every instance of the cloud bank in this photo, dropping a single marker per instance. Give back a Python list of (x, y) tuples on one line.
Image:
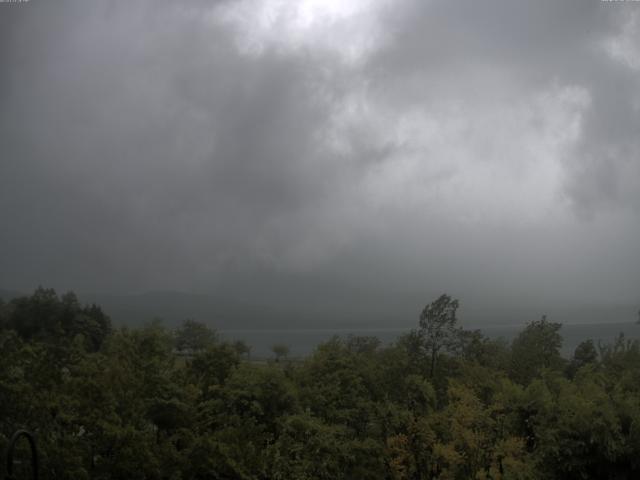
[(489, 149)]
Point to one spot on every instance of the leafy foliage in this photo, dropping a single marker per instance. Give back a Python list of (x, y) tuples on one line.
[(440, 403), (193, 336), (537, 347), (438, 328)]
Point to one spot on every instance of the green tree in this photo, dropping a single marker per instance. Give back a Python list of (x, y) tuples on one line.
[(488, 352), (212, 367), (280, 351), (438, 328), (535, 348), (241, 348), (309, 449), (584, 354), (192, 337), (46, 317)]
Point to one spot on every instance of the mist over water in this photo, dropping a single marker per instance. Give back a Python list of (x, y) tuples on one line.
[(303, 342)]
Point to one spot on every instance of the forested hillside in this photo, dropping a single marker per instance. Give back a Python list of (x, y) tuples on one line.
[(440, 403)]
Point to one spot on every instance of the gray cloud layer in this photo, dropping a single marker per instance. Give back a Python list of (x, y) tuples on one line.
[(489, 149)]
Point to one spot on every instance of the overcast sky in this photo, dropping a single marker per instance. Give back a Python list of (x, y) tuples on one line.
[(361, 150)]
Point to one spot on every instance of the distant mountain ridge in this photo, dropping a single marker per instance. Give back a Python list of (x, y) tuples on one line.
[(223, 312), (174, 307), (229, 313), (7, 295)]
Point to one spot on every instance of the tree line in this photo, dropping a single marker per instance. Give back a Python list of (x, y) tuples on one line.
[(441, 402)]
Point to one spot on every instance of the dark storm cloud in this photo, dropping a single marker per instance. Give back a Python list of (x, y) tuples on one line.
[(404, 147), (144, 128)]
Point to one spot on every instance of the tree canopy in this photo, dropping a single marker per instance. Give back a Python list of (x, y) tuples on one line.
[(439, 403)]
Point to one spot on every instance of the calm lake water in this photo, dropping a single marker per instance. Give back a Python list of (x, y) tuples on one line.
[(302, 342)]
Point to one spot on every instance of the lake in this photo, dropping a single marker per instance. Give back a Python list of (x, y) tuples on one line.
[(302, 342)]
